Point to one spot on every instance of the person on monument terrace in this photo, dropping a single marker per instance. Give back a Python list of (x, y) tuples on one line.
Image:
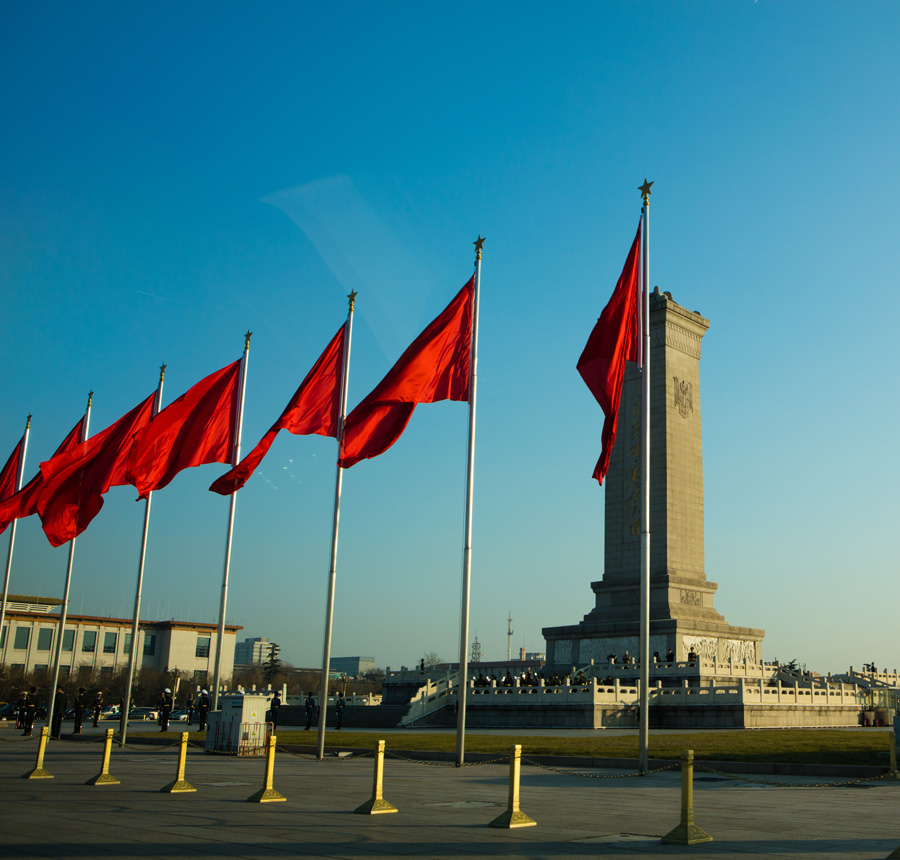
[(670, 656), (692, 655)]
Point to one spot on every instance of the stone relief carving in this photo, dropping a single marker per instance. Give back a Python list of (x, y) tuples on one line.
[(599, 649), (709, 648), (684, 396), (692, 598), (675, 336)]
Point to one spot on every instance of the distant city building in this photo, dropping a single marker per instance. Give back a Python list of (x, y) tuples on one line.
[(533, 656), (352, 666), (252, 651), (103, 645)]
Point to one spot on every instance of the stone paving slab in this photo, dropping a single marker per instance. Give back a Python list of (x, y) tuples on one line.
[(444, 811)]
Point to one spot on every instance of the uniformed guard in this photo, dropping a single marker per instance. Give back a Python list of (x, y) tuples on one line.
[(98, 707), (78, 704), (30, 709), (59, 711), (203, 709), (275, 707), (339, 709), (166, 705), (309, 704)]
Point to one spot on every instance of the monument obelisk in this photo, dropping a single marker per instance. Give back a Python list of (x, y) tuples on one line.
[(682, 617)]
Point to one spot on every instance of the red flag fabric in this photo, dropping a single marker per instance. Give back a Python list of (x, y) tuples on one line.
[(613, 341), (25, 502), (313, 410), (196, 428), (76, 481), (434, 367), (10, 472)]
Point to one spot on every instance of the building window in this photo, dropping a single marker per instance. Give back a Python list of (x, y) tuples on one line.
[(200, 676), (40, 668), (106, 671), (21, 641), (202, 649), (126, 643), (109, 643), (65, 671), (89, 641), (68, 640), (149, 644), (45, 639), (2, 637), (18, 668)]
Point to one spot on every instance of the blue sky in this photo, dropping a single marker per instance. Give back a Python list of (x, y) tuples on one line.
[(173, 175)]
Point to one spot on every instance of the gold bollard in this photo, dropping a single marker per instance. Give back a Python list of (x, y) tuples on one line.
[(181, 784), (267, 794), (377, 804), (687, 833), (38, 772), (104, 777), (514, 817)]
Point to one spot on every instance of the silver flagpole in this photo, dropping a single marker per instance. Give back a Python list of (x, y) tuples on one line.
[(20, 473), (338, 482), (645, 481), (235, 459), (63, 610), (463, 676), (132, 657)]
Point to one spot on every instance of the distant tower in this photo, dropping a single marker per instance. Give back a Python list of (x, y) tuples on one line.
[(509, 636), (476, 651)]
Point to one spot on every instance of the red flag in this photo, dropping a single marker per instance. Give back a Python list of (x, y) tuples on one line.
[(76, 481), (434, 367), (313, 410), (613, 341), (25, 502), (196, 428), (10, 473)]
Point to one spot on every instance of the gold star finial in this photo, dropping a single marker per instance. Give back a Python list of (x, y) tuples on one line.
[(247, 339), (162, 372), (645, 190), (478, 244), (90, 398), (28, 422), (352, 299)]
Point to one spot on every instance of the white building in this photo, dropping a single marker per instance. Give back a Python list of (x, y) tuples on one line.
[(102, 645)]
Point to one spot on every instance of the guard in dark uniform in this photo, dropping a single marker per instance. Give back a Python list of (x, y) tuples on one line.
[(339, 710), (275, 707), (203, 709), (167, 702), (30, 709), (309, 704), (78, 704), (59, 711), (98, 707)]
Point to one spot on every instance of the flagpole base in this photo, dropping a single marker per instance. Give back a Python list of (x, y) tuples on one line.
[(266, 795), (178, 787), (686, 834), (509, 820), (376, 807)]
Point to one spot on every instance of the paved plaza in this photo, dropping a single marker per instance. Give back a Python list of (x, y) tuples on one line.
[(443, 811)]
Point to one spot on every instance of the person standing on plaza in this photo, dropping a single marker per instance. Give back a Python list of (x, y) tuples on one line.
[(203, 709), (274, 708), (339, 709), (30, 710), (59, 710), (98, 707), (166, 705), (309, 704), (190, 708), (78, 704)]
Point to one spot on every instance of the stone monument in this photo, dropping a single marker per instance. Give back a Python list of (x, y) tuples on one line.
[(682, 617)]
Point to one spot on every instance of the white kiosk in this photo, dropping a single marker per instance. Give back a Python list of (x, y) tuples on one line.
[(240, 727)]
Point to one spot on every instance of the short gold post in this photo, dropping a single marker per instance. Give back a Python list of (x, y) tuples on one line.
[(104, 777), (377, 804), (267, 794), (38, 772), (687, 833), (514, 817), (181, 784)]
